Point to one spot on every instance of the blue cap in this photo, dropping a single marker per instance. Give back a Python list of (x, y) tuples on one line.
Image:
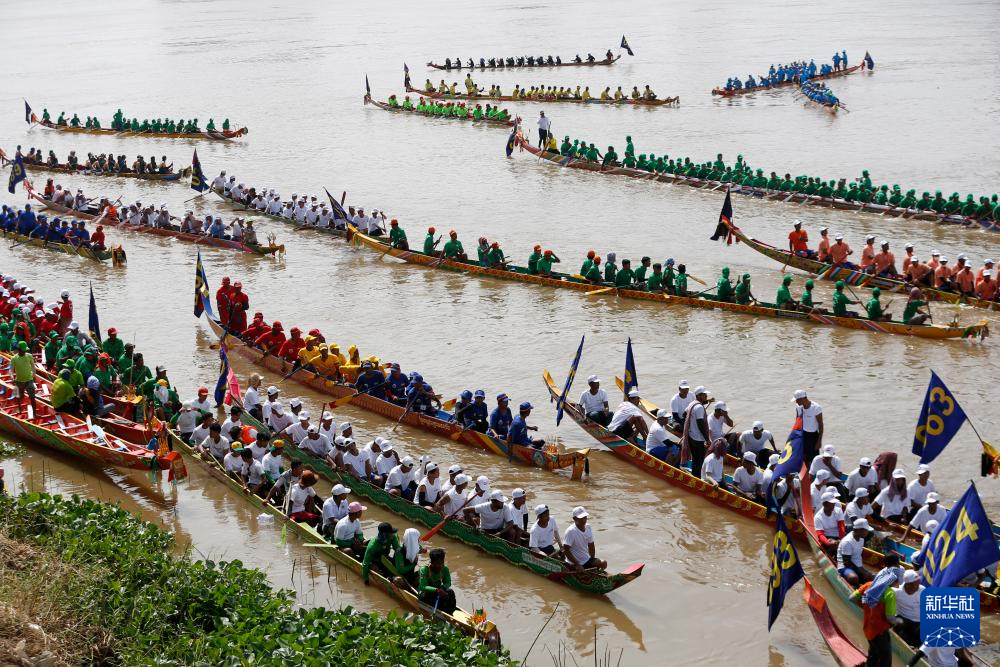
[(503, 397), (480, 393), (466, 395), (416, 377), (670, 262), (526, 406)]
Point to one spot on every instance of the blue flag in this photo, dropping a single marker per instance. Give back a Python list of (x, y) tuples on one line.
[(222, 384), (198, 181), (93, 322), (631, 379), (962, 544), (29, 117), (202, 298), (790, 460), (511, 140), (940, 419), (569, 382), (786, 570), (868, 61), (16, 173), (626, 46), (338, 211)]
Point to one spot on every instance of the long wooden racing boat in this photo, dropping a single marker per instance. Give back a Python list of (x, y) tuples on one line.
[(761, 309), (759, 193), (722, 92), (831, 108), (588, 581), (84, 171), (413, 112), (829, 271), (441, 425), (66, 433), (197, 239), (483, 630), (546, 100), (68, 248), (237, 206), (224, 135), (651, 465), (596, 63)]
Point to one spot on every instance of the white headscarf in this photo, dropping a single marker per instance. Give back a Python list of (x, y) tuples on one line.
[(411, 544)]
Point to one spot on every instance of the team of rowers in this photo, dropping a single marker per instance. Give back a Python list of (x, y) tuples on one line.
[(430, 107), (799, 71), (819, 93), (119, 122), (101, 163), (935, 272), (541, 92), (522, 61), (27, 223)]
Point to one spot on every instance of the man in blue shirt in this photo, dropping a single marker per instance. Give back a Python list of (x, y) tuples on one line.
[(477, 417), (396, 384), (518, 434), (26, 221), (420, 396), (371, 381), (501, 418)]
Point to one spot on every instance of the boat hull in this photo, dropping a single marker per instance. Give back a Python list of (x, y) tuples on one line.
[(469, 119), (66, 169), (596, 63), (722, 92), (668, 101), (226, 135)]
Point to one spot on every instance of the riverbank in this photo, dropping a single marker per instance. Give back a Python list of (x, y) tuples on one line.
[(87, 582)]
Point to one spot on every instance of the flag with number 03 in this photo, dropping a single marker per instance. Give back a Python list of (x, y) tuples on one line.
[(940, 419)]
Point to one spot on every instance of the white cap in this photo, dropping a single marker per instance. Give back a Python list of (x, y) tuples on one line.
[(386, 446), (455, 468), (829, 497), (910, 576), (592, 379), (828, 450), (339, 490), (860, 492), (799, 394), (277, 407), (344, 426), (662, 413), (461, 479), (339, 441), (773, 459), (909, 246), (922, 468), (962, 255), (988, 273), (683, 385), (517, 493), (943, 259), (407, 461), (272, 390), (541, 509), (303, 416), (312, 429), (823, 229), (700, 390), (721, 405), (861, 524), (295, 402), (898, 473), (498, 495), (870, 237), (935, 253), (933, 497), (838, 237), (633, 393), (758, 425), (865, 461), (750, 456), (822, 474), (431, 467), (483, 482), (580, 513)]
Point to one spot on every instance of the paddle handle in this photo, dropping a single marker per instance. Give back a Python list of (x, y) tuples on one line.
[(433, 531)]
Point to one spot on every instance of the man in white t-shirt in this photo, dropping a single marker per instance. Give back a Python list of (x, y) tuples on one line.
[(864, 476), (680, 402), (578, 543), (544, 534), (594, 402), (892, 504), (627, 421), (315, 444), (215, 444), (921, 487), (931, 511), (829, 460), (334, 508), (232, 462), (717, 423), (453, 501), (755, 440), (544, 125), (347, 533), (859, 508), (812, 424), (401, 480), (850, 555), (517, 514), (748, 480), (696, 425), (658, 442), (490, 517), (829, 522)]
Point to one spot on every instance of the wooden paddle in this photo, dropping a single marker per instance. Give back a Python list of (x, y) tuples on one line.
[(603, 290), (409, 407), (697, 279), (433, 531)]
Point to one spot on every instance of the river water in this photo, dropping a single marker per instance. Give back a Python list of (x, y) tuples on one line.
[(294, 74)]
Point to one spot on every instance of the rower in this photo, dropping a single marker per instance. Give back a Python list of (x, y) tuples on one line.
[(754, 440), (501, 418), (593, 275), (397, 237), (798, 241), (891, 504), (578, 544), (743, 294), (401, 480), (748, 480), (429, 487), (517, 434), (434, 584), (885, 262), (544, 537), (840, 251), (850, 554), (874, 307), (679, 403), (841, 301), (594, 402), (490, 517), (919, 489), (380, 547), (658, 444), (385, 463), (830, 523), (931, 511), (625, 276), (724, 289), (453, 248), (863, 477), (859, 508)]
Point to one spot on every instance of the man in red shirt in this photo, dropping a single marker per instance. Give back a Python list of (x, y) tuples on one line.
[(271, 341), (97, 238), (65, 311), (798, 241), (289, 350), (239, 304), (222, 299), (256, 328), (49, 323)]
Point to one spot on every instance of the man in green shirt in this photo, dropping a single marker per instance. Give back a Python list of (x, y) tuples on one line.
[(655, 281), (382, 545), (640, 272), (429, 243), (5, 338), (587, 263), (874, 307), (545, 263), (592, 154), (841, 302), (63, 397), (610, 268), (594, 274), (566, 148), (610, 158), (625, 276), (807, 296), (784, 299), (397, 237), (495, 257), (724, 289), (912, 313), (453, 248), (113, 345), (681, 283), (24, 374), (51, 349), (434, 586), (533, 259), (743, 294), (629, 147)]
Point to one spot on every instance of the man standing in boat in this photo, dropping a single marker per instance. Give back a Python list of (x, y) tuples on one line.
[(544, 125)]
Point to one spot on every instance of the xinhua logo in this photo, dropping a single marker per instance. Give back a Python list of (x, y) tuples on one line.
[(949, 617)]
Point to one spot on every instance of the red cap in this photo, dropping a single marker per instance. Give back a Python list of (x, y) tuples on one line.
[(112, 331), (590, 254), (238, 285), (100, 227), (453, 233), (548, 253), (296, 330), (202, 390), (538, 247), (431, 230), (314, 332), (494, 245), (258, 315), (393, 222), (276, 325), (225, 280)]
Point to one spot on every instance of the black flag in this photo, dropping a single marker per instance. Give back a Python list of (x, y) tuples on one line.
[(725, 219), (368, 88), (626, 46)]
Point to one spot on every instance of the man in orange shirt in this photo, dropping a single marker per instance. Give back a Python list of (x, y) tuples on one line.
[(798, 241), (908, 258), (960, 264), (868, 254), (987, 266), (942, 276), (823, 251), (879, 617), (935, 261), (839, 252), (919, 273), (987, 287), (965, 281), (885, 262)]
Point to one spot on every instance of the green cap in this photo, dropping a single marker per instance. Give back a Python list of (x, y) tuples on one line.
[(725, 270), (746, 276), (810, 283), (786, 280), (876, 291), (839, 284), (22, 346)]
